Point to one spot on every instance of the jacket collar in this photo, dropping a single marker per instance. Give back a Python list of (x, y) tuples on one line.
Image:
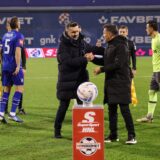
[(118, 39), (66, 39)]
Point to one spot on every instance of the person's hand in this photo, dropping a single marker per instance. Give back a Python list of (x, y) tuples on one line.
[(97, 71), (99, 43), (134, 72), (24, 71), (16, 71), (89, 56)]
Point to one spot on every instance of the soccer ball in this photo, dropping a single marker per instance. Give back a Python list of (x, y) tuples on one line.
[(87, 92)]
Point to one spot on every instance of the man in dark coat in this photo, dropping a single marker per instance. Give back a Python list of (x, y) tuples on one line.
[(72, 70), (123, 30), (115, 65)]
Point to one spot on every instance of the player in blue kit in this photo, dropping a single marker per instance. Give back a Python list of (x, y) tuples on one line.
[(23, 56), (12, 73)]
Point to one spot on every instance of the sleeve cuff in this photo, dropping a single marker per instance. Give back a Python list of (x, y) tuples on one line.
[(134, 68), (102, 69)]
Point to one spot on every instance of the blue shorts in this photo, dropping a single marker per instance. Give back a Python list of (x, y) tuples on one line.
[(8, 79)]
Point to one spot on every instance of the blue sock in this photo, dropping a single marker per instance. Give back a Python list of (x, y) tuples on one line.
[(4, 101), (16, 101)]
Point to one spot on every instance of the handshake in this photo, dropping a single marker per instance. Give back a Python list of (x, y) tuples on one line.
[(90, 56)]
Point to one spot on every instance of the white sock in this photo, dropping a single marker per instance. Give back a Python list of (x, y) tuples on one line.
[(2, 114), (12, 113)]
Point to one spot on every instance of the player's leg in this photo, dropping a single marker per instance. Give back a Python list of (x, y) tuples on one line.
[(129, 123), (1, 89), (6, 110), (153, 95), (20, 104), (7, 83), (113, 136), (151, 107), (152, 103), (61, 112), (4, 102), (154, 88), (20, 107), (18, 81)]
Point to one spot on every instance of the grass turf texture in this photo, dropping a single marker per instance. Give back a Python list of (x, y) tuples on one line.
[(33, 140)]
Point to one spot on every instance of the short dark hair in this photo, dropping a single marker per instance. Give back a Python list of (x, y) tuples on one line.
[(153, 24), (123, 27), (72, 24), (111, 28), (14, 22)]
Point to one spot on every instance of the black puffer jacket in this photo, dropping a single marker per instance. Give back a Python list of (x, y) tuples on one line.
[(117, 72), (71, 66)]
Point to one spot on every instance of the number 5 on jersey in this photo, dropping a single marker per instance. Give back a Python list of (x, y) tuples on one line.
[(7, 47)]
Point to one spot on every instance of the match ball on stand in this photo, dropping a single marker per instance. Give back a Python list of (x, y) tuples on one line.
[(87, 92)]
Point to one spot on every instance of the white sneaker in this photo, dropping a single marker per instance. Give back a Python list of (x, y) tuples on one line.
[(131, 140), (146, 119)]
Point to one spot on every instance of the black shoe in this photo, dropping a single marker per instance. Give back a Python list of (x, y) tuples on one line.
[(3, 120), (57, 134), (22, 111), (131, 140), (111, 138)]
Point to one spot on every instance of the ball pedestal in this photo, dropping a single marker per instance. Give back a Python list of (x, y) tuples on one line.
[(88, 132)]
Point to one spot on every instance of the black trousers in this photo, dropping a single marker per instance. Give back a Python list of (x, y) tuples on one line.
[(113, 118), (61, 112)]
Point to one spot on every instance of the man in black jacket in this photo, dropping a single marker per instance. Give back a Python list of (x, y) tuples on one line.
[(115, 65), (72, 70), (123, 30)]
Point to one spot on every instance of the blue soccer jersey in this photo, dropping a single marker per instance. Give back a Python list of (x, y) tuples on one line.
[(10, 41)]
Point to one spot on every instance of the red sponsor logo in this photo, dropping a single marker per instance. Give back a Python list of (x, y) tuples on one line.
[(50, 52)]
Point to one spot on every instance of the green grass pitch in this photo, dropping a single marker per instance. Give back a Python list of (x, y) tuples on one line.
[(33, 140)]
